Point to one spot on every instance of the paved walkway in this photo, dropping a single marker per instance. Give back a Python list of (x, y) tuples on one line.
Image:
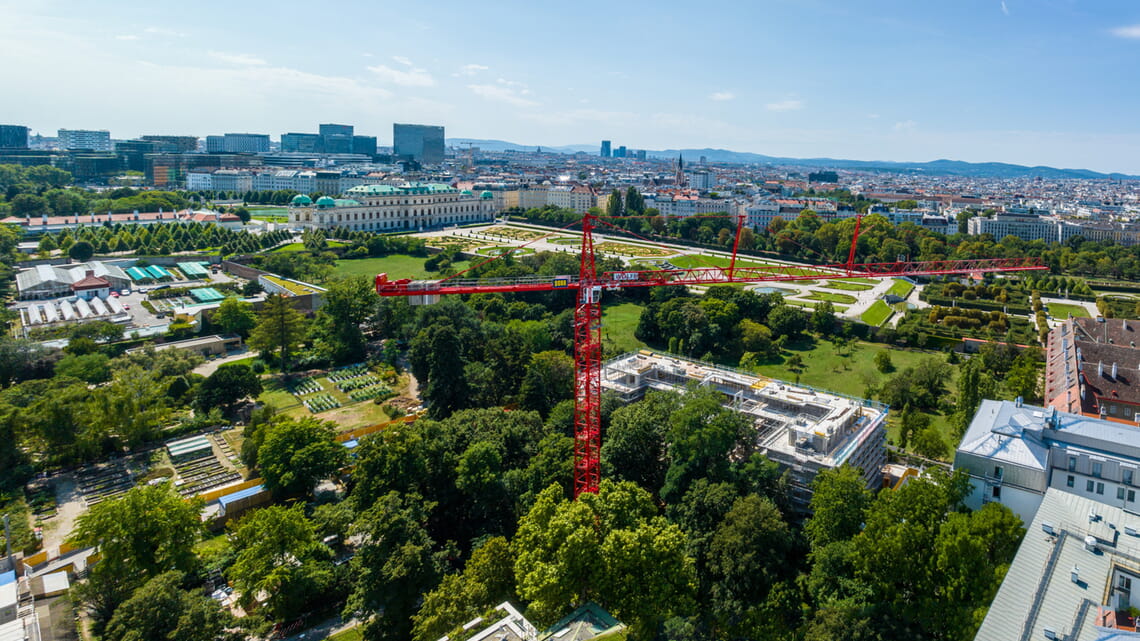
[(209, 367)]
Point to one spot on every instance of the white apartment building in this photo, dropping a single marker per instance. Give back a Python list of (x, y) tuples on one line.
[(1024, 227)]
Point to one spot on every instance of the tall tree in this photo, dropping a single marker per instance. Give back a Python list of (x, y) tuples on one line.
[(296, 453), (487, 580), (81, 251), (634, 201), (160, 610), (235, 316), (280, 329), (549, 380), (396, 563), (610, 547), (349, 302), (614, 206), (437, 352), (838, 502), (278, 553), (226, 386), (147, 531)]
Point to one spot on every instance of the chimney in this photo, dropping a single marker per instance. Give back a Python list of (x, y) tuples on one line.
[(90, 273), (1114, 370)]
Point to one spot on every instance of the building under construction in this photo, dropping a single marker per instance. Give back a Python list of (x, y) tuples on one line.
[(803, 429)]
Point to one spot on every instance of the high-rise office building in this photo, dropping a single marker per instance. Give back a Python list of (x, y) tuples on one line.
[(336, 130), (174, 144), (620, 152), (605, 149), (364, 145), (246, 143), (422, 143), (301, 142), (87, 139), (13, 137)]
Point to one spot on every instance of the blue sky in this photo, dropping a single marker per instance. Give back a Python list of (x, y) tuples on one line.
[(1049, 82)]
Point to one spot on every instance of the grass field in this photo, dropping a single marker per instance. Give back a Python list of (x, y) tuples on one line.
[(396, 266), (270, 214), (809, 305), (618, 323), (690, 260), (900, 288), (877, 314), (351, 634), (846, 286), (1062, 310), (842, 299), (291, 247)]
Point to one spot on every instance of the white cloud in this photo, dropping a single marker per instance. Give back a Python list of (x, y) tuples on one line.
[(159, 31), (242, 59), (722, 95), (127, 37), (1004, 9), (470, 70), (1132, 31), (906, 125), (503, 94), (873, 116), (410, 78), (402, 60), (785, 105)]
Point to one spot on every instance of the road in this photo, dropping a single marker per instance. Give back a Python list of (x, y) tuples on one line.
[(209, 367)]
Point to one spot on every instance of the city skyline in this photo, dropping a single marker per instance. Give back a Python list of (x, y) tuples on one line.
[(1032, 84)]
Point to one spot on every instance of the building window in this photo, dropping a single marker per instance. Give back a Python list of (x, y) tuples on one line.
[(1120, 493), (1089, 486), (1069, 481), (1131, 496), (1100, 488), (1127, 474), (997, 471), (1125, 583), (1072, 464), (997, 492), (1097, 468)]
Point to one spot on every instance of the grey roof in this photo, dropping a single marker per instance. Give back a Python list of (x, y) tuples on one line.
[(1038, 591), (65, 274), (1004, 432), (1022, 435)]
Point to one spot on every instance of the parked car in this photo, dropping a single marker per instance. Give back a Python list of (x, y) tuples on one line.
[(126, 306), (115, 294), (125, 292)]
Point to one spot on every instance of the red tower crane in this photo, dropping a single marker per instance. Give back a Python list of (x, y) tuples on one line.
[(588, 310)]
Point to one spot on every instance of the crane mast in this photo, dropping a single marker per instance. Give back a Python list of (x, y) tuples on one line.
[(588, 287)]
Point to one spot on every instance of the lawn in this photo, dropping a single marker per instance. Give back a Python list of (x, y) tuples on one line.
[(846, 372), (396, 266), (351, 634), (1063, 310), (694, 260), (618, 324), (807, 305), (900, 288), (846, 286), (877, 314), (291, 247), (842, 299), (269, 214)]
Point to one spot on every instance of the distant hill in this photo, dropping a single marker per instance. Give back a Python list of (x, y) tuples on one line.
[(940, 167)]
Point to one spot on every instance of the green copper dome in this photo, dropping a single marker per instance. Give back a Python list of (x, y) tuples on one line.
[(325, 201), (301, 200)]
